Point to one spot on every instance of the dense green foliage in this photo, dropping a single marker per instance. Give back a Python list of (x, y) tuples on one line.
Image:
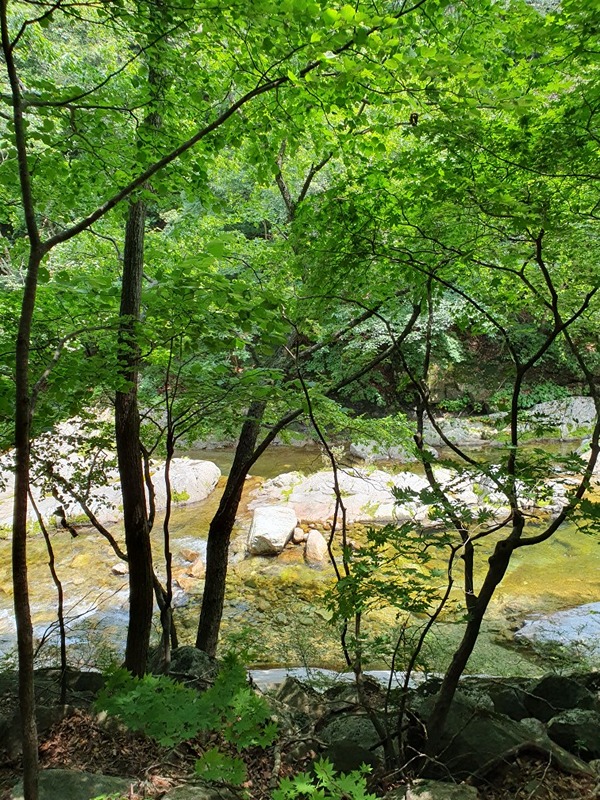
[(350, 209), (171, 713)]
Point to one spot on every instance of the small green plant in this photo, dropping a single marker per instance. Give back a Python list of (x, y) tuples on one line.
[(529, 397), (180, 497), (172, 713), (457, 405), (325, 782)]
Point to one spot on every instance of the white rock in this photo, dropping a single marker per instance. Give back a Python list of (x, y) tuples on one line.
[(367, 495), (191, 481), (298, 536), (372, 451), (271, 529), (316, 547)]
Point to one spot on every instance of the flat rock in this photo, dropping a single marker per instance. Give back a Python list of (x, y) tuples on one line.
[(578, 629), (368, 494)]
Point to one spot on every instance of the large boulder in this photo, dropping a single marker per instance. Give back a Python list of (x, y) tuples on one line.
[(577, 731), (573, 416), (191, 481), (350, 727), (64, 784), (316, 547), (299, 696), (476, 740), (502, 695), (474, 737), (373, 451), (554, 693), (187, 660), (272, 528), (195, 666)]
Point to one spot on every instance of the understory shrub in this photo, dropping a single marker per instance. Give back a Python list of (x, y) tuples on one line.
[(171, 713)]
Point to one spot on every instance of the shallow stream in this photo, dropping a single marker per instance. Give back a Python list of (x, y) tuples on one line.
[(275, 607)]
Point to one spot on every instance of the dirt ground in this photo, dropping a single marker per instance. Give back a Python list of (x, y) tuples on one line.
[(81, 742)]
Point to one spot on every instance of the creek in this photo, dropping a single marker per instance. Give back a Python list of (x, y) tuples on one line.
[(275, 606)]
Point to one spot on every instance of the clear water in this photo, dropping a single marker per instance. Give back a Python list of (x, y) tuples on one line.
[(276, 606)]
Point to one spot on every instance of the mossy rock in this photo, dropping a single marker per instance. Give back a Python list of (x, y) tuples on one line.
[(64, 784)]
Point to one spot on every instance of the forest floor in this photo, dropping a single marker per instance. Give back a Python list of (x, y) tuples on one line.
[(80, 742)]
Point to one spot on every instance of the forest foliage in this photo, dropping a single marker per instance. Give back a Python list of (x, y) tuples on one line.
[(334, 202)]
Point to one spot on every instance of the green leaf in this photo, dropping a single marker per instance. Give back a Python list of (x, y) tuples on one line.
[(214, 765)]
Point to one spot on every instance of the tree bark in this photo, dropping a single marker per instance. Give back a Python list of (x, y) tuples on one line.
[(19, 539), (498, 565), (23, 434), (219, 533), (127, 432)]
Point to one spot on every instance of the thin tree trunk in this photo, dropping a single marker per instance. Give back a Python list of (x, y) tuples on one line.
[(127, 431), (219, 533), (498, 565), (23, 432), (19, 540)]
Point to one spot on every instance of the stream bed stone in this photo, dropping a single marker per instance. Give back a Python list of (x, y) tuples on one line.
[(577, 629)]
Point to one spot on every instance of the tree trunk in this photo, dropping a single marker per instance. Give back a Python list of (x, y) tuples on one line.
[(127, 432), (219, 533), (19, 539), (498, 564)]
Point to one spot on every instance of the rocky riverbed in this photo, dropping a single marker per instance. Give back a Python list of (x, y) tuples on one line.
[(279, 572)]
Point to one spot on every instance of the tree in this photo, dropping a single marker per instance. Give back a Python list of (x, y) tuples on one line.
[(495, 213), (79, 114)]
